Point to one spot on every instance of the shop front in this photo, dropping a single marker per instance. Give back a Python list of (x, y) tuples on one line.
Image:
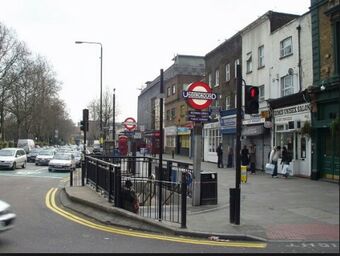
[(211, 139), (228, 133), (152, 140), (183, 141), (255, 134), (170, 139), (289, 124)]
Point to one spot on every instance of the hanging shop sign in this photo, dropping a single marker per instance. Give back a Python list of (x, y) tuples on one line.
[(199, 95)]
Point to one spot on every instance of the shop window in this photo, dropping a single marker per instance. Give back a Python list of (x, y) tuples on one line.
[(214, 139)]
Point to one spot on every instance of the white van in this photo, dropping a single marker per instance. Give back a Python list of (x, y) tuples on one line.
[(26, 144)]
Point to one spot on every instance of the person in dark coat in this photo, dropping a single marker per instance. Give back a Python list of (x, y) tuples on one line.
[(219, 152), (285, 160), (252, 159), (245, 156)]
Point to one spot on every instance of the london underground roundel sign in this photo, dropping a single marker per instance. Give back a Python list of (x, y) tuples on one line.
[(199, 95), (130, 123)]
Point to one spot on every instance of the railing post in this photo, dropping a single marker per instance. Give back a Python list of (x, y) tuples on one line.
[(149, 167), (97, 175), (71, 178), (87, 170), (184, 200), (110, 183), (83, 172), (117, 185)]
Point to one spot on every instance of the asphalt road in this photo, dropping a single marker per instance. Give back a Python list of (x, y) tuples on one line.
[(39, 229)]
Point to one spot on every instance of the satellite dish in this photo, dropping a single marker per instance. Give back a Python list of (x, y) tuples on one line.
[(290, 71)]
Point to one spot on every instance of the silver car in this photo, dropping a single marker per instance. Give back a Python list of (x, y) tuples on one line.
[(7, 217), (62, 162), (12, 157), (44, 157)]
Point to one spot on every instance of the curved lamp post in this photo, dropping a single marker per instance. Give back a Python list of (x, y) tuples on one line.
[(101, 80)]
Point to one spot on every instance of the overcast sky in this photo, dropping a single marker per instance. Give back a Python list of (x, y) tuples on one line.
[(139, 38)]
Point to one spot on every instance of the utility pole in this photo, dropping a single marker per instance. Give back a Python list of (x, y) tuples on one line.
[(114, 117)]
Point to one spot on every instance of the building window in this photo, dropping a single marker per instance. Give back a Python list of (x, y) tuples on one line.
[(182, 110), (209, 80), (337, 48), (261, 93), (217, 78), (286, 47), (237, 62), (168, 91), (227, 72), (249, 66), (173, 114), (168, 117), (227, 102), (287, 85), (173, 89), (261, 56)]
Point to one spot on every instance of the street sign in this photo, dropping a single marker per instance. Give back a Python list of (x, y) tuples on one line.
[(130, 124), (199, 95), (198, 116)]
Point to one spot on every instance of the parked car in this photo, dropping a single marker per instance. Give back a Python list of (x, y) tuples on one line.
[(33, 154), (10, 158), (7, 217), (44, 157), (62, 162)]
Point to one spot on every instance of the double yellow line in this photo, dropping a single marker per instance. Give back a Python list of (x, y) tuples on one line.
[(51, 204)]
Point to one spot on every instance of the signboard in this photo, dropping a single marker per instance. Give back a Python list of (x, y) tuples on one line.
[(199, 95), (198, 116), (130, 124)]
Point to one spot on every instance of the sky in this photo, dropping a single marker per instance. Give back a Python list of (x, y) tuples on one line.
[(139, 37)]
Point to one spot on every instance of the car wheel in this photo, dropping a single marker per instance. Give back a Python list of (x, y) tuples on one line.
[(14, 166), (24, 165)]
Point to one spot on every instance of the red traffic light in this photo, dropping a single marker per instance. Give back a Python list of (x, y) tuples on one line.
[(253, 92)]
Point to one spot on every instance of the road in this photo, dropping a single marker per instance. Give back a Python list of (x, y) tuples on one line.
[(45, 227)]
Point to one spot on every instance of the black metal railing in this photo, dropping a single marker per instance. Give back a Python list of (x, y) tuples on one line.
[(162, 199)]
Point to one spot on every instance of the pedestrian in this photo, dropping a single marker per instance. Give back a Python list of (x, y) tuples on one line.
[(230, 158), (252, 159), (286, 159), (129, 200), (219, 151), (273, 158), (245, 156)]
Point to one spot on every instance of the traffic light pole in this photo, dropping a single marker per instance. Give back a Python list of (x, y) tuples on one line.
[(235, 193)]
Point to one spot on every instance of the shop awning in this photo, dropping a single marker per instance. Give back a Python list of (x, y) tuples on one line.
[(253, 130)]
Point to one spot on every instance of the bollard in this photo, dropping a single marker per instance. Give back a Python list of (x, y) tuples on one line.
[(71, 178)]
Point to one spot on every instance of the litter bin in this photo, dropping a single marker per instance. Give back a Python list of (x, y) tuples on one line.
[(244, 175), (208, 188)]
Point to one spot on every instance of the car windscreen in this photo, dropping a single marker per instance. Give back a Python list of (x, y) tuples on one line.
[(46, 153), (7, 152), (63, 156)]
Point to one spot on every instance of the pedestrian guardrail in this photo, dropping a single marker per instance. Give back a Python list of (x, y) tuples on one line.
[(162, 195)]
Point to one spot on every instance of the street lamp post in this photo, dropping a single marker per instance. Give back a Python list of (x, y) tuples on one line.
[(101, 82)]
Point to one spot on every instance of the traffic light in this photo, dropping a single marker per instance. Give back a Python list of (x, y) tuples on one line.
[(82, 126), (251, 99), (86, 119)]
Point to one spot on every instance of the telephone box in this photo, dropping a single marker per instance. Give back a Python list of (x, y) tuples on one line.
[(123, 145)]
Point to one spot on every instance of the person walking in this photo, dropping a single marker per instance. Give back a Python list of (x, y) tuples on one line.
[(230, 157), (252, 159), (245, 156), (285, 162), (273, 158), (219, 152)]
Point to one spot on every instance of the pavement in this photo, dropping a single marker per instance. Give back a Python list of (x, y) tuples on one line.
[(295, 209)]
